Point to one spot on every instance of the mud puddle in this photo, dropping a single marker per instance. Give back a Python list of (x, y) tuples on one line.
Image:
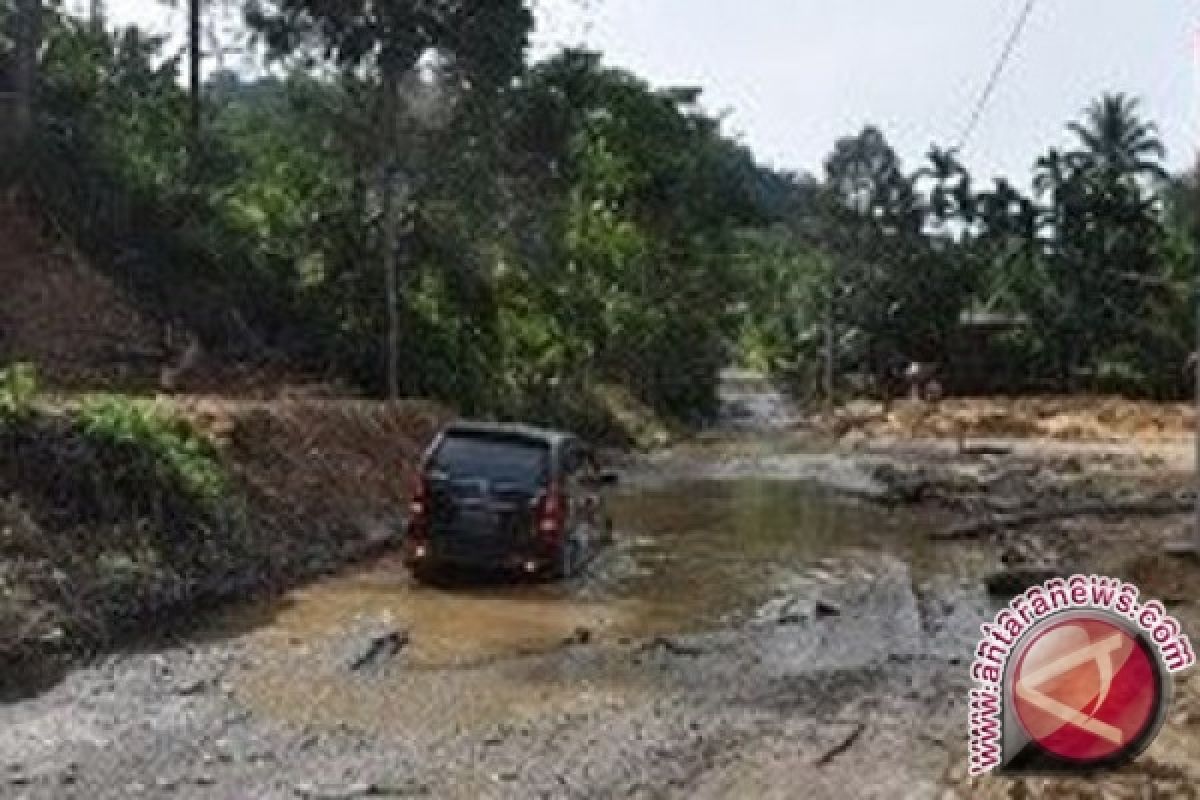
[(690, 557)]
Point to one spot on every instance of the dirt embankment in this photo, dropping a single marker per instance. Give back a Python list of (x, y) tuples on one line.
[(1078, 418), (57, 312), (109, 521)]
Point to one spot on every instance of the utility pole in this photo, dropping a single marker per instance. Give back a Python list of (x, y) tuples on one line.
[(1195, 543), (831, 336), (1191, 545)]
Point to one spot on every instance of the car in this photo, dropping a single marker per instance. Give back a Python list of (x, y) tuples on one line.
[(507, 497)]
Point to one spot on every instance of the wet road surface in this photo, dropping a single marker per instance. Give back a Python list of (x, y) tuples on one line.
[(745, 624)]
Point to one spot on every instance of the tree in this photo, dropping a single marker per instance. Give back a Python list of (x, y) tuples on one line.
[(474, 46), (194, 56), (1115, 138), (951, 197), (28, 42), (635, 196), (866, 178), (1087, 264), (195, 119)]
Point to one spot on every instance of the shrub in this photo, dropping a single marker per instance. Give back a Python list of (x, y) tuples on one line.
[(18, 389), (173, 448)]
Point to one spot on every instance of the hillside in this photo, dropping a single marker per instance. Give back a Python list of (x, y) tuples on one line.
[(75, 324), (119, 502)]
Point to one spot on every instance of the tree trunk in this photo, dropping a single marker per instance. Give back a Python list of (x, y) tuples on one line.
[(194, 55), (29, 39), (393, 199)]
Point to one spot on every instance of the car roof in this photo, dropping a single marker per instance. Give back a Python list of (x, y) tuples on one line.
[(547, 435)]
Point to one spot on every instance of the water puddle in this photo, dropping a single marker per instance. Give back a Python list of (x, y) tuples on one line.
[(690, 556), (687, 557)]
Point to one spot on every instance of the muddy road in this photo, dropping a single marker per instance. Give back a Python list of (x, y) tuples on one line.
[(758, 630)]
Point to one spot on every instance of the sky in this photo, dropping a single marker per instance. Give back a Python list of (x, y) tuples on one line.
[(791, 76)]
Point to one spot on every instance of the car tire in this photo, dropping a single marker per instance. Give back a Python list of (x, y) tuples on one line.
[(424, 573)]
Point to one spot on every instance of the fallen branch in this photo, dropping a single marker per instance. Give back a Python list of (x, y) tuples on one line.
[(1142, 508), (843, 745), (675, 648)]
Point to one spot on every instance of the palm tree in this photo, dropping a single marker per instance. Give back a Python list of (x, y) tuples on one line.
[(1054, 171), (1117, 140), (951, 193)]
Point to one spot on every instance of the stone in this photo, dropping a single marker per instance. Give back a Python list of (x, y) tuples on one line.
[(191, 687), (379, 647), (825, 608)]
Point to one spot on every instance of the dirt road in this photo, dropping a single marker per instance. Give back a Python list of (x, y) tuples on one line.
[(774, 621)]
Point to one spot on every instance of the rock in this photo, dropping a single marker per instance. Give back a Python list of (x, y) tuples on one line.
[(70, 774), (825, 609), (411, 789), (901, 486), (676, 648), (238, 718), (380, 647), (1014, 580), (580, 635), (223, 750), (191, 687), (310, 792), (54, 636), (854, 440)]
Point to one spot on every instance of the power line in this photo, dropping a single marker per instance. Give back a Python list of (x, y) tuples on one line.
[(990, 88)]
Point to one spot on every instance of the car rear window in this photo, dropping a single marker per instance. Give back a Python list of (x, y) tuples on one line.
[(493, 457)]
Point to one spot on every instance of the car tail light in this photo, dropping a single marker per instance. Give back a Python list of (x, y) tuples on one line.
[(551, 512)]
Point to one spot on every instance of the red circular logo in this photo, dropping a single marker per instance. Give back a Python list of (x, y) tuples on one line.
[(1086, 690)]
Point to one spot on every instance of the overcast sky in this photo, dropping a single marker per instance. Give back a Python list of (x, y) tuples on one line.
[(793, 75)]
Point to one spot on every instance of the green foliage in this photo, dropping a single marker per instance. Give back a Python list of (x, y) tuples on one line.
[(569, 227), (1099, 261), (161, 443), (1093, 261), (18, 390)]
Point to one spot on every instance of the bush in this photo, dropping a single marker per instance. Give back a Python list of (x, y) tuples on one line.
[(18, 389), (161, 442)]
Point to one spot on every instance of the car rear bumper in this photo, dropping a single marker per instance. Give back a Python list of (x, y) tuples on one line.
[(520, 557)]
